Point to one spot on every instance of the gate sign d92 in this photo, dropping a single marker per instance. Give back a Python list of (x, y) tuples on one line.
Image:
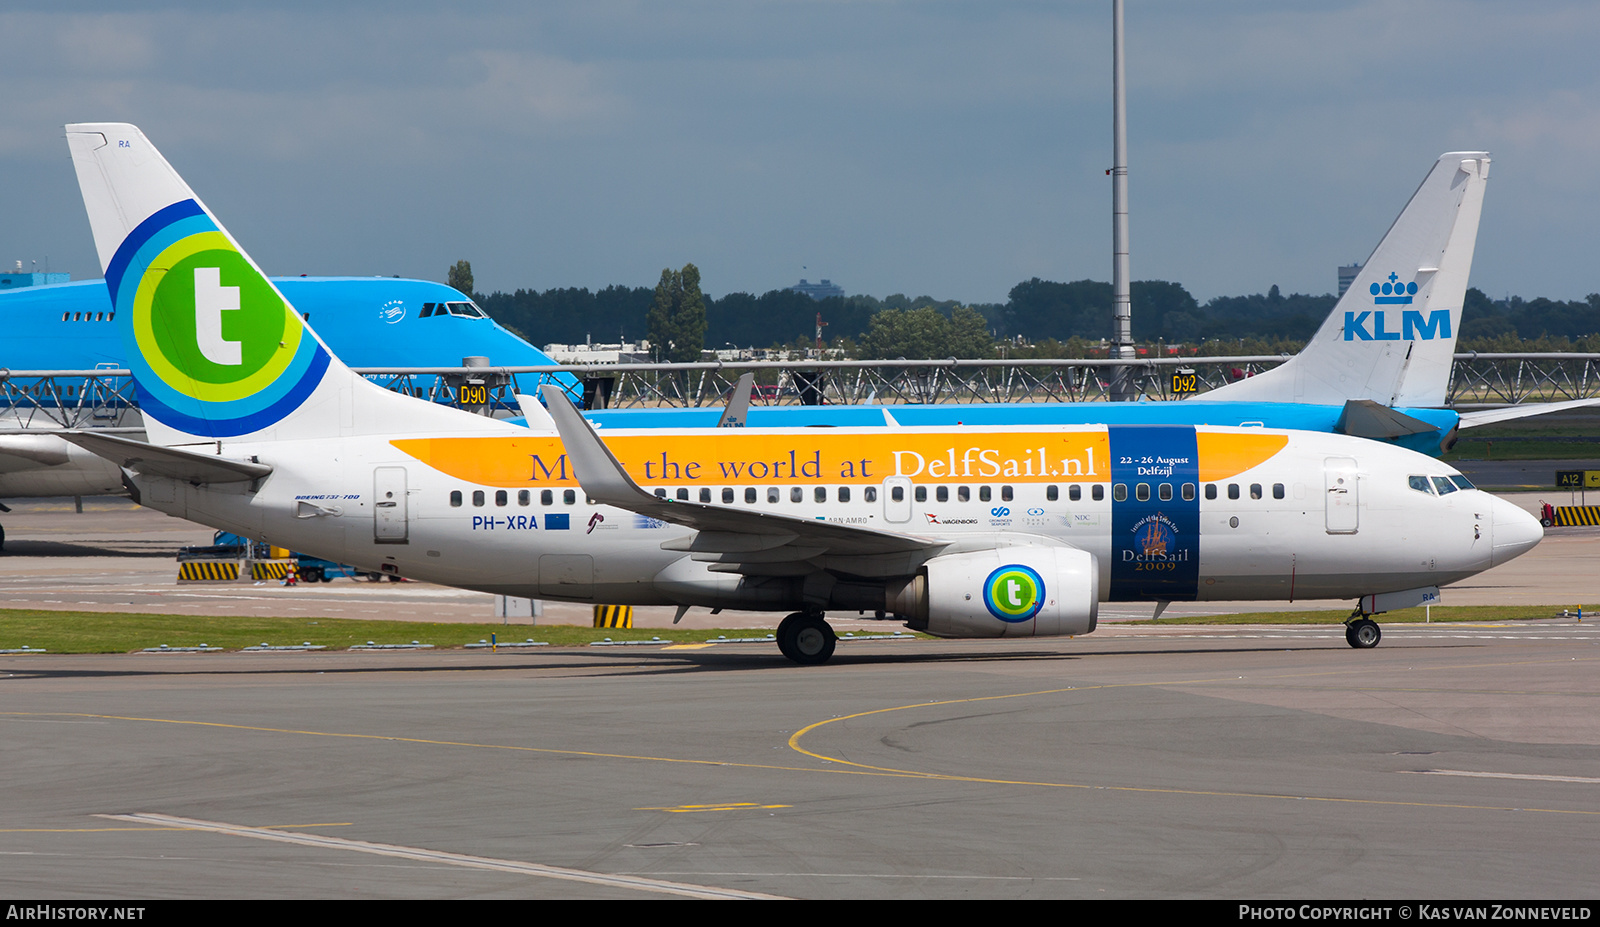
[(1185, 381)]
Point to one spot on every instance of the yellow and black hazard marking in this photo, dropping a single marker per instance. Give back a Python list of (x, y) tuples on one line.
[(613, 616), (1567, 515), (271, 569), (209, 571)]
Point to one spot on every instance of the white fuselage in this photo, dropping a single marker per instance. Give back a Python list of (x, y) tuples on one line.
[(1276, 515)]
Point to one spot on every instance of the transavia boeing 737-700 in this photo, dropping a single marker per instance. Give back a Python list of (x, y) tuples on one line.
[(992, 531)]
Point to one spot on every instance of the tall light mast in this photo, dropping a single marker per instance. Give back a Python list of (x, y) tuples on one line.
[(1122, 378)]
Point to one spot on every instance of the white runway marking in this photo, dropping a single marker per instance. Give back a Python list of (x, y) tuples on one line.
[(1490, 775), (454, 859)]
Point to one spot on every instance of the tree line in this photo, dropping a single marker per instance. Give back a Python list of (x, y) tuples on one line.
[(1040, 318)]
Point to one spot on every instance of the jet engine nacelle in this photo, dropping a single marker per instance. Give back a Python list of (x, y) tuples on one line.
[(1008, 592)]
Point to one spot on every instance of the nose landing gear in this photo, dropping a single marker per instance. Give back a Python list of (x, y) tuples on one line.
[(806, 638)]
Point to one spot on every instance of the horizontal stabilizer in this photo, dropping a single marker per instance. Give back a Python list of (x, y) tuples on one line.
[(1363, 418), (173, 463), (1511, 413)]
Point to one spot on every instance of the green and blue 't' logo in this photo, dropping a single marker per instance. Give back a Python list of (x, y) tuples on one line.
[(1013, 593), (214, 349)]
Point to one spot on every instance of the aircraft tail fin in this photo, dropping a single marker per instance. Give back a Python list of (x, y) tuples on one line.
[(215, 349), (1391, 338)]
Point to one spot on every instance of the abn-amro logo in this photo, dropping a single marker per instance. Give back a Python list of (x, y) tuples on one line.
[(212, 326), (1013, 593)]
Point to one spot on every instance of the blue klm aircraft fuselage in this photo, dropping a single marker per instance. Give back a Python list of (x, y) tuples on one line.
[(366, 321)]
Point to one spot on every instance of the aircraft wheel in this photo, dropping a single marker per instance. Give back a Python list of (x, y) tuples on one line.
[(372, 577), (2, 538), (311, 575), (806, 639), (1363, 634), (785, 634)]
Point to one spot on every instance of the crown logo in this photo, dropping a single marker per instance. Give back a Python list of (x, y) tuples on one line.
[(1394, 293)]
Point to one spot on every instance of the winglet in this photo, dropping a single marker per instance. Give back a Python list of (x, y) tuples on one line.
[(739, 405), (598, 471)]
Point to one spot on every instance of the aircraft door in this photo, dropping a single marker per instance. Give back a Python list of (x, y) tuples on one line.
[(389, 510), (897, 499), (1343, 495)]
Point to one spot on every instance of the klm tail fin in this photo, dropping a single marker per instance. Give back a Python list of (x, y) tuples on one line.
[(1392, 337), (216, 351)]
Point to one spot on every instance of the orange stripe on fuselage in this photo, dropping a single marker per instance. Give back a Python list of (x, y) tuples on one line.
[(732, 457), (1227, 454)]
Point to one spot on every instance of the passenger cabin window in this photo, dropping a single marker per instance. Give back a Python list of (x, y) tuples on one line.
[(750, 495), (1052, 493), (1165, 492), (500, 497), (983, 493), (897, 493), (870, 494), (661, 494), (455, 498), (942, 494), (820, 494), (477, 497), (705, 494), (1142, 492), (683, 495), (1255, 490), (772, 494), (922, 494), (1233, 490), (1211, 490), (844, 494), (546, 497), (570, 497), (727, 495), (1005, 494), (1099, 492), (524, 497), (963, 494), (1188, 492), (1119, 492), (1277, 490), (796, 494)]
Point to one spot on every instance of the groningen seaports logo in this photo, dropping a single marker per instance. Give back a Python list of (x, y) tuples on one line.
[(214, 349), (1013, 593)]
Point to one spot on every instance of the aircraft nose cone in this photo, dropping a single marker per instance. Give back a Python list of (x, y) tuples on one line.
[(1515, 532)]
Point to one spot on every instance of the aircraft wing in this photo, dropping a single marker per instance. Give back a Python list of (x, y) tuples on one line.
[(171, 462), (733, 540)]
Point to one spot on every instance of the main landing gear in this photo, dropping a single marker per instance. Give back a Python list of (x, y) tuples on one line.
[(1362, 632), (806, 638)]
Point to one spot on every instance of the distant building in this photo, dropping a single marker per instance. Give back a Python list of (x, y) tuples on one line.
[(1347, 276), (620, 353), (821, 290)]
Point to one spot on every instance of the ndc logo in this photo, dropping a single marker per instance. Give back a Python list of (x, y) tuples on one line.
[(1374, 324), (1013, 593)]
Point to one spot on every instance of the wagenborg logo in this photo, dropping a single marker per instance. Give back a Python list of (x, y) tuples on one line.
[(1013, 593), (219, 353)]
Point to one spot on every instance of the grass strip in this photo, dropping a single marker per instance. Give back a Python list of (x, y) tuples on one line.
[(122, 632)]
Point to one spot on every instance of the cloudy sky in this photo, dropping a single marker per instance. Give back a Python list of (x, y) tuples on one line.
[(941, 148)]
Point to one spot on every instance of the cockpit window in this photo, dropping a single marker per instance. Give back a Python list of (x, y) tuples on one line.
[(1420, 484), (465, 310), (1462, 482), (427, 310), (1443, 484)]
